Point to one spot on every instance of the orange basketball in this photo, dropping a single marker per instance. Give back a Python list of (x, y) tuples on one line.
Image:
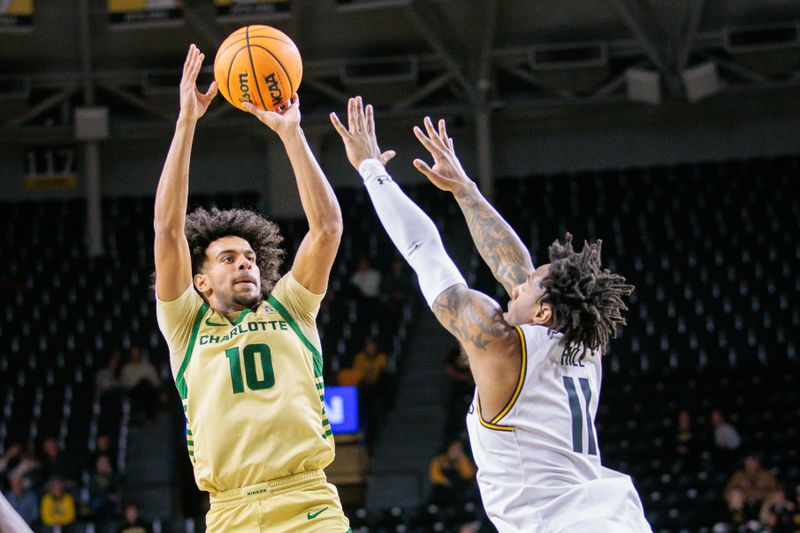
[(258, 64)]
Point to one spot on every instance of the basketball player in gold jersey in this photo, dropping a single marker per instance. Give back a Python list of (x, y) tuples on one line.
[(244, 347)]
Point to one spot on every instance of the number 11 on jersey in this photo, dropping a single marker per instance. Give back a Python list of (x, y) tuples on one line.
[(577, 414)]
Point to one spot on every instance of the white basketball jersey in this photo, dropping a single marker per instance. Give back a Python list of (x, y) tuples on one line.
[(538, 460)]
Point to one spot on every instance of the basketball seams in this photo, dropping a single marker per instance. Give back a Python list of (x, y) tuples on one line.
[(278, 61), (228, 45), (230, 70), (253, 66)]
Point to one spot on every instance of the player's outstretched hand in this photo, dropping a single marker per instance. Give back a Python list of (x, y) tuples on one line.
[(359, 138), (280, 123), (447, 172), (194, 103)]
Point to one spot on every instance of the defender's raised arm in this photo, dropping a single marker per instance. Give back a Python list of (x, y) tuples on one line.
[(499, 245), (476, 320), (173, 262)]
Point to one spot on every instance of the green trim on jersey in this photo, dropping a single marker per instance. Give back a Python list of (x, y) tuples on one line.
[(239, 318), (292, 324), (180, 381), (317, 358)]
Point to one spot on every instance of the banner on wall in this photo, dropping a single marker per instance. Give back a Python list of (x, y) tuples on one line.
[(16, 15), (125, 13), (50, 167), (341, 407), (239, 9)]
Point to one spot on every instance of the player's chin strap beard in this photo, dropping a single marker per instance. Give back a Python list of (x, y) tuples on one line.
[(251, 304)]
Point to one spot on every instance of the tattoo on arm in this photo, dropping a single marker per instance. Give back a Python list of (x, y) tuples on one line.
[(473, 318), (499, 246)]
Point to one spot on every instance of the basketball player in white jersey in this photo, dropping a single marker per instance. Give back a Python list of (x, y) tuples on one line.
[(536, 366), (9, 519)]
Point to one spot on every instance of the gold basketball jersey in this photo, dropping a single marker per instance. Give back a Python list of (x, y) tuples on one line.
[(251, 386)]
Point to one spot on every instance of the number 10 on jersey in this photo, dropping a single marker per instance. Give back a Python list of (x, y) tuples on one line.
[(250, 353)]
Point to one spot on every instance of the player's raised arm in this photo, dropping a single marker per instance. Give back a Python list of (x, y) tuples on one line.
[(476, 320), (173, 262), (314, 259), (499, 246)]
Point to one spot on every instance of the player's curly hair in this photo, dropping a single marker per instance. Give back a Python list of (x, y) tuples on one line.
[(586, 300), (204, 227)]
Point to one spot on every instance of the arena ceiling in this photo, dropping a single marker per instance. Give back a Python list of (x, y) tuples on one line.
[(409, 56)]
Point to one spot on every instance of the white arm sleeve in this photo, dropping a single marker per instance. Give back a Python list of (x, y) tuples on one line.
[(9, 519), (411, 231)]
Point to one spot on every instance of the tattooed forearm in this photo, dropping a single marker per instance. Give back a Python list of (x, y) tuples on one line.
[(473, 318), (498, 244)]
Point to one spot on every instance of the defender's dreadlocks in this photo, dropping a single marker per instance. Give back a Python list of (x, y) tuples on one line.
[(586, 301), (204, 227)]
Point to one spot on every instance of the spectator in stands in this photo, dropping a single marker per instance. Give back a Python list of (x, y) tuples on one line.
[(796, 513), (23, 462), (371, 365), (106, 381), (726, 440), (685, 441), (453, 475), (461, 388), (367, 282), (59, 464), (23, 500), (103, 447), (140, 379), (749, 487), (738, 513), (11, 457), (396, 288), (777, 513), (132, 522), (725, 435), (58, 506), (103, 495)]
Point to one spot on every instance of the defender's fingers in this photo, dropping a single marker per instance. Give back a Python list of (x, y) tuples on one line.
[(360, 119), (423, 167), (351, 115), (426, 142), (338, 126), (433, 134), (387, 155), (443, 133), (370, 125)]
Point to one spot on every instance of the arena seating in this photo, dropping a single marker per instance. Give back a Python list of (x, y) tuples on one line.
[(711, 247)]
